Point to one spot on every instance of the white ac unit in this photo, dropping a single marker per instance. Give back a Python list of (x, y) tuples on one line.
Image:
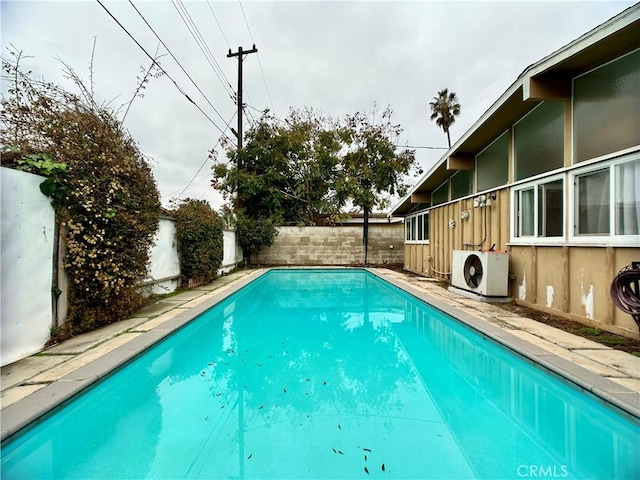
[(485, 273)]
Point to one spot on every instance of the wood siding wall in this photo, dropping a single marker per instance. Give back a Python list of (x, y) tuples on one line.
[(570, 281)]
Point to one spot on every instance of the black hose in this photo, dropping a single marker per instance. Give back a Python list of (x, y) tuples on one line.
[(625, 293)]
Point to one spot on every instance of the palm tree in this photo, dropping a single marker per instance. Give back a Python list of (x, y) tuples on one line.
[(444, 110)]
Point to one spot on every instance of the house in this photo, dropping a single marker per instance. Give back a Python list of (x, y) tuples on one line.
[(549, 173)]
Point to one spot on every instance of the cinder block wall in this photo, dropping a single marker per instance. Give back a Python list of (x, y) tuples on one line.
[(340, 245)]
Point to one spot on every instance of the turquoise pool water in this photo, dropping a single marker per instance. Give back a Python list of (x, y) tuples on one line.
[(327, 374)]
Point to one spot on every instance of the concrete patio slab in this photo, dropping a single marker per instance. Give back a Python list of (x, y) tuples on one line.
[(158, 308), (627, 364), (552, 334), (83, 359), (22, 370), (85, 341), (13, 395), (573, 356)]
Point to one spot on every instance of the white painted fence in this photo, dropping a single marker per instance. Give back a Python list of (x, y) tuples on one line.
[(27, 246)]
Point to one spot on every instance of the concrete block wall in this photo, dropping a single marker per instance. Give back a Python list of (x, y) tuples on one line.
[(339, 245)]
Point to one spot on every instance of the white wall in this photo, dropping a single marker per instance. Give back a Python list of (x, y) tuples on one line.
[(232, 254), (27, 222), (164, 265)]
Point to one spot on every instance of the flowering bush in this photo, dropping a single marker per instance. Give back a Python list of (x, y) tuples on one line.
[(106, 200)]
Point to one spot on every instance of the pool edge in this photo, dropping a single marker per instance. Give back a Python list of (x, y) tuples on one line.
[(606, 390), (35, 406)]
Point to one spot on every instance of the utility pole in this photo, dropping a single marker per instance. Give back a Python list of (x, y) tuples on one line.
[(240, 54)]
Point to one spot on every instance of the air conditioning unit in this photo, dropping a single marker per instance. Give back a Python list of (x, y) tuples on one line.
[(485, 273)]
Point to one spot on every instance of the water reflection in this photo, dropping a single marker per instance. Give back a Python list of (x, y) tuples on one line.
[(532, 419)]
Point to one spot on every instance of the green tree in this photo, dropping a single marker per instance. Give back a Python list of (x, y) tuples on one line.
[(287, 168), (444, 110), (372, 168), (200, 242), (254, 233)]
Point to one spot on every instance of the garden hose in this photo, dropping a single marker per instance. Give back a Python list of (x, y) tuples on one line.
[(625, 291)]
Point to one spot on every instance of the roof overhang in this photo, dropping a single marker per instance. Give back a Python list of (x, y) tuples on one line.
[(548, 79)]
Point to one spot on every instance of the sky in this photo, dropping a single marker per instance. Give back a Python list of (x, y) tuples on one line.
[(335, 57)]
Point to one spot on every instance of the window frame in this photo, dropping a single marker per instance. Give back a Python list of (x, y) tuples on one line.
[(411, 228), (515, 222), (611, 238)]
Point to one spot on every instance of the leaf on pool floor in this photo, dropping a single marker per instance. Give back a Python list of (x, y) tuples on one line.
[(382, 467), (339, 427), (366, 470), (250, 455), (260, 407), (367, 450)]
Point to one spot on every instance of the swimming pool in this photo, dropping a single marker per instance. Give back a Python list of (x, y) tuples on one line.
[(327, 374)]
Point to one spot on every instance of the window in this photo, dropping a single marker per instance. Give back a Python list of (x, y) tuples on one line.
[(492, 164), (461, 184), (440, 194), (539, 210), (607, 201), (538, 140), (606, 108), (627, 198), (417, 227), (592, 202)]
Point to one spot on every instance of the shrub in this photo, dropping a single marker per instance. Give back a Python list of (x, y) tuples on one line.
[(255, 233), (200, 242), (101, 186)]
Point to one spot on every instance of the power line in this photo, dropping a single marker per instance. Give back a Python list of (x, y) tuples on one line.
[(418, 146), (219, 26), (160, 67), (205, 160), (257, 56), (202, 44), (176, 60)]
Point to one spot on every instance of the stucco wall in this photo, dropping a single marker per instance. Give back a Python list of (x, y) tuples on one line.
[(340, 245), (164, 265), (27, 251)]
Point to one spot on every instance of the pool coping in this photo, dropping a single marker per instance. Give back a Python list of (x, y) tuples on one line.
[(607, 390), (35, 406)]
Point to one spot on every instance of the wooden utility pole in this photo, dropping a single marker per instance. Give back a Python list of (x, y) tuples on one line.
[(240, 54)]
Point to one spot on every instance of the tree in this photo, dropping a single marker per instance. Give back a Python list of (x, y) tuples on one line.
[(372, 168), (287, 168), (254, 233), (444, 110)]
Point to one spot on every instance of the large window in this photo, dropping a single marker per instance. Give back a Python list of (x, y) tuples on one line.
[(538, 140), (606, 108), (607, 201), (539, 210), (461, 184), (417, 227), (440, 194), (492, 164)]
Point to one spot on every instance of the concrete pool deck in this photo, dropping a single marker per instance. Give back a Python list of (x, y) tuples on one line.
[(32, 386)]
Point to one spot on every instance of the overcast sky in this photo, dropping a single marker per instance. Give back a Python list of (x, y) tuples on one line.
[(337, 57)]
